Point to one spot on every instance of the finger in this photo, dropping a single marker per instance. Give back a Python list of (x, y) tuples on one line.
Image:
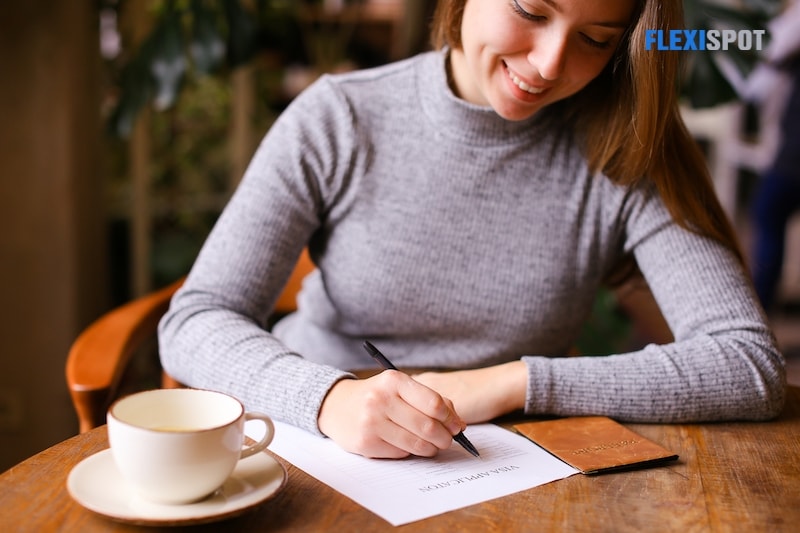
[(416, 411), (401, 441), (431, 403), (354, 416), (377, 432), (384, 444), (416, 432)]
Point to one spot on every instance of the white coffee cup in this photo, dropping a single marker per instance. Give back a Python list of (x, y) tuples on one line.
[(178, 446)]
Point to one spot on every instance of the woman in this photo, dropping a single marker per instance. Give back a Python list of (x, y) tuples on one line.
[(463, 207)]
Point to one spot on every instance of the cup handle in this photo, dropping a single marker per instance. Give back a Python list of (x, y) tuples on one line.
[(265, 440)]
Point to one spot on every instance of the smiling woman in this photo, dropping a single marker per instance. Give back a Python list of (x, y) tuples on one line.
[(520, 59), (463, 207)]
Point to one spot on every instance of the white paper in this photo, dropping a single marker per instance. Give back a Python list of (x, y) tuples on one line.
[(406, 490)]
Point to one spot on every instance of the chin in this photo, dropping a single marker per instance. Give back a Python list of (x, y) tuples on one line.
[(516, 115)]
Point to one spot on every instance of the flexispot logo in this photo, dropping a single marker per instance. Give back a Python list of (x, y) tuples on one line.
[(703, 39)]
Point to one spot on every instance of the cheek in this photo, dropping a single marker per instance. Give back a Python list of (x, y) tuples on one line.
[(583, 68), (487, 28), (510, 37)]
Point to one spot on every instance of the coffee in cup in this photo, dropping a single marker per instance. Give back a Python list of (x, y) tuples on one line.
[(178, 446)]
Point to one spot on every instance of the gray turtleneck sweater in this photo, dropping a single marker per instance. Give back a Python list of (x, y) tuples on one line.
[(454, 238)]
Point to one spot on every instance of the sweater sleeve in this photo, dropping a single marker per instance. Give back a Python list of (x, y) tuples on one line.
[(723, 364), (214, 335)]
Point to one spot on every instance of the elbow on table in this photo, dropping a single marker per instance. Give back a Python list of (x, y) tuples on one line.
[(769, 391), (770, 406)]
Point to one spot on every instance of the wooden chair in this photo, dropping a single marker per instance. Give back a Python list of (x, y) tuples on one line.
[(98, 358)]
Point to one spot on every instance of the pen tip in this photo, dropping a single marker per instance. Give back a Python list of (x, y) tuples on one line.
[(466, 444)]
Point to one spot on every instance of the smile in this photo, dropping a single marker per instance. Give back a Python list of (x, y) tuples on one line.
[(522, 85)]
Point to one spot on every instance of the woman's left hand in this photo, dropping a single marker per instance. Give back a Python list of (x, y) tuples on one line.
[(482, 394)]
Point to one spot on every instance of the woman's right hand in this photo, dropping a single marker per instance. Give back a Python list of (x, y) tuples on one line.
[(389, 415)]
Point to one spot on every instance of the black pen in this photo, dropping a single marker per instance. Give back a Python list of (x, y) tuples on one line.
[(387, 365)]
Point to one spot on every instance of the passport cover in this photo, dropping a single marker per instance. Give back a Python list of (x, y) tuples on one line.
[(595, 444)]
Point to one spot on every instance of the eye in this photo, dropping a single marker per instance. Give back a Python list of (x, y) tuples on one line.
[(525, 14), (597, 44)]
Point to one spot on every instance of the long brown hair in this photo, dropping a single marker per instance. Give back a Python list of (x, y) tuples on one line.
[(631, 124)]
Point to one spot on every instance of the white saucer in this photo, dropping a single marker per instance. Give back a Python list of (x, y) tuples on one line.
[(97, 484)]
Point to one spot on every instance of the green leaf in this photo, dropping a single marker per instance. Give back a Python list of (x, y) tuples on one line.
[(705, 85), (168, 62), (136, 89), (607, 330), (207, 46), (242, 33)]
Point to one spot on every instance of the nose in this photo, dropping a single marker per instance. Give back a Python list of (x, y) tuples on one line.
[(548, 56)]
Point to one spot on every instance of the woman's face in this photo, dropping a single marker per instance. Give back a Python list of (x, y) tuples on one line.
[(518, 56)]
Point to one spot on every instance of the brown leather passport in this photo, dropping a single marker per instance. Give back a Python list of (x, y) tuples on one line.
[(595, 444)]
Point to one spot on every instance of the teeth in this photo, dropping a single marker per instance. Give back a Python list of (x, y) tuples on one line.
[(522, 85)]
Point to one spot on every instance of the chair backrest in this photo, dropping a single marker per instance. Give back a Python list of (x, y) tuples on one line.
[(99, 356)]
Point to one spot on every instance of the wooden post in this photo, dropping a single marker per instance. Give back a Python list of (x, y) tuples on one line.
[(240, 137), (52, 260), (137, 23)]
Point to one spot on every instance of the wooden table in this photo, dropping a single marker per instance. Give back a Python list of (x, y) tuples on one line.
[(730, 477)]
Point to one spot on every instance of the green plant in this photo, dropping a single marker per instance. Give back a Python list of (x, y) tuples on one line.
[(712, 76), (204, 37), (192, 38), (607, 330)]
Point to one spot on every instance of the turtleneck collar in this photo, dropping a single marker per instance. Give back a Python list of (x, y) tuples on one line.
[(460, 120)]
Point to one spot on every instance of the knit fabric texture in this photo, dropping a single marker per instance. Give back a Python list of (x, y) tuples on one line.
[(453, 238)]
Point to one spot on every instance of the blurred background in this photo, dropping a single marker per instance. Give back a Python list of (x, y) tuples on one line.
[(126, 125)]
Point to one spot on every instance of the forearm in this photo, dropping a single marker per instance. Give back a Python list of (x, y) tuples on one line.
[(699, 380), (482, 394), (506, 386), (217, 349), (723, 365)]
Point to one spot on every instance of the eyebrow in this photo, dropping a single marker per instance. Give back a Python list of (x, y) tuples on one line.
[(605, 24)]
